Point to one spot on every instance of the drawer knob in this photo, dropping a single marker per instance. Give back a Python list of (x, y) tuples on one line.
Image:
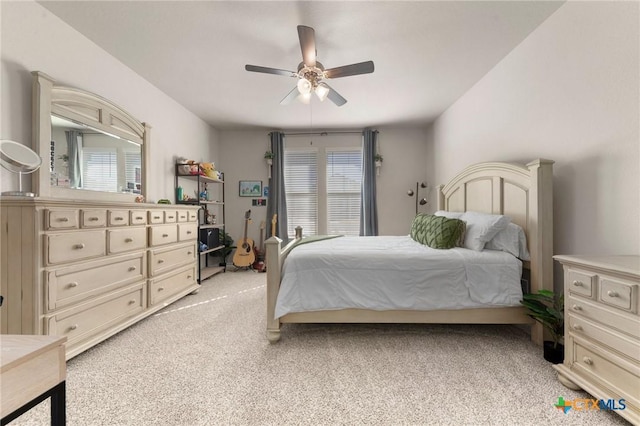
[(119, 218), (63, 219), (189, 252), (160, 261), (93, 219), (577, 283), (79, 246), (160, 288), (132, 268), (612, 293), (156, 217), (188, 232), (132, 301), (577, 327), (139, 218), (587, 360), (128, 240), (577, 307), (165, 235), (188, 277), (73, 327), (73, 284)]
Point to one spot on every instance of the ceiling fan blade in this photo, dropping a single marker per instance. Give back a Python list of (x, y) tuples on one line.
[(307, 38), (290, 96), (347, 70), (255, 68), (334, 96)]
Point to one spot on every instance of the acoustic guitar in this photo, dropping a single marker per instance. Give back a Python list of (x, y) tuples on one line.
[(245, 254)]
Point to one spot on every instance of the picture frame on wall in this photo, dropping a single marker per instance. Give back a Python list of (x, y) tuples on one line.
[(250, 188)]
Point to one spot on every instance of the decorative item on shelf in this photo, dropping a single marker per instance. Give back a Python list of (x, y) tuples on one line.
[(209, 170), (19, 159), (204, 194), (140, 199), (268, 156), (416, 193), (184, 168), (548, 309), (164, 201), (378, 161), (179, 194)]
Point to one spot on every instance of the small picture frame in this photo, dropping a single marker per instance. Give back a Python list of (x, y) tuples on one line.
[(250, 188)]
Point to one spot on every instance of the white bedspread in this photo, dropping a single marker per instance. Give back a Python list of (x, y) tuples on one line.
[(395, 272)]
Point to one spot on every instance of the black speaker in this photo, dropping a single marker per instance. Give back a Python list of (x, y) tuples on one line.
[(210, 237)]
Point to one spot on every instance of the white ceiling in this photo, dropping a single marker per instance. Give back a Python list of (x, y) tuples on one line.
[(426, 54)]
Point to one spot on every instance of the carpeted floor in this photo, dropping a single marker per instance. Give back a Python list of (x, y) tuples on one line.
[(205, 361)]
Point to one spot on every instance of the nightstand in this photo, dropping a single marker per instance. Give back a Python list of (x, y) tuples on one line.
[(602, 329)]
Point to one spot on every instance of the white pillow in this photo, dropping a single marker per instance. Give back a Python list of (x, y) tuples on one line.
[(449, 215), (511, 240), (482, 227)]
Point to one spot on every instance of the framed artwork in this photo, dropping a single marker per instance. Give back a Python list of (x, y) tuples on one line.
[(250, 188)]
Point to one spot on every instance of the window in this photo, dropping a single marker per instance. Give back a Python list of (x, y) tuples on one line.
[(323, 189), (132, 169), (99, 169)]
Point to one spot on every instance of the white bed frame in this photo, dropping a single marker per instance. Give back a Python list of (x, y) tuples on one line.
[(522, 192)]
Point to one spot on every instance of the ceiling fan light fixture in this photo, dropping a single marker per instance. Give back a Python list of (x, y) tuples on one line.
[(322, 91), (304, 86), (305, 98)]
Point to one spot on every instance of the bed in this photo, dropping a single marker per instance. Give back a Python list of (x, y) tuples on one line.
[(524, 193)]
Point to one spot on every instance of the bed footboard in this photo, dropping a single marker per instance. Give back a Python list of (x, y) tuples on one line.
[(275, 256)]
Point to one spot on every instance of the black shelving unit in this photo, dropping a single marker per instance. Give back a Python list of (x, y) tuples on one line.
[(208, 233)]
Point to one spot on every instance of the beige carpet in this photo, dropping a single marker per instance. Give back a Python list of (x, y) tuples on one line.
[(205, 361)]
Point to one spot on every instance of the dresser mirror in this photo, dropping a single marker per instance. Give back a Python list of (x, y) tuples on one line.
[(92, 148)]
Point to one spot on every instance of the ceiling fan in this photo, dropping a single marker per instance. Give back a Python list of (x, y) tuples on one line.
[(311, 73)]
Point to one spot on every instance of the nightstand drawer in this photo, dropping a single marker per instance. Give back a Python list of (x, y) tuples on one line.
[(617, 293), (581, 282), (621, 321), (624, 380), (616, 341)]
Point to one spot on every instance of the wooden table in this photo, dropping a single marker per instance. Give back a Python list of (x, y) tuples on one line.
[(33, 369)]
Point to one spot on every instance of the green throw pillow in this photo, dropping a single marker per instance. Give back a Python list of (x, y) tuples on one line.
[(436, 232)]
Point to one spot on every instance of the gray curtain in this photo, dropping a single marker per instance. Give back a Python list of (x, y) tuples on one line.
[(277, 203), (368, 205), (74, 152)]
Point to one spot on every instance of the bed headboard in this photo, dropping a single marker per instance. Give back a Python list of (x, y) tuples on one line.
[(522, 192)]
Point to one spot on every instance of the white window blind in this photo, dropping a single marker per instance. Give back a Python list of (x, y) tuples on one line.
[(301, 184), (99, 169), (344, 179), (131, 163)]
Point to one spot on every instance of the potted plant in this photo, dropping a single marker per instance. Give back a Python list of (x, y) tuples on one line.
[(548, 309), (227, 241), (269, 155), (378, 159)]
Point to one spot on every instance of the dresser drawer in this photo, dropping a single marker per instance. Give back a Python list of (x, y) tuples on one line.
[(118, 217), (73, 284), (138, 217), (161, 289), (621, 321), (163, 234), (619, 294), (126, 239), (183, 216), (61, 219), (93, 218), (165, 260), (616, 341), (156, 216), (72, 246), (187, 231), (86, 320), (170, 216), (626, 381), (581, 282), (193, 216)]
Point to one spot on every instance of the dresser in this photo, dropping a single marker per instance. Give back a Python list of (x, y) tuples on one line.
[(602, 328), (87, 270)]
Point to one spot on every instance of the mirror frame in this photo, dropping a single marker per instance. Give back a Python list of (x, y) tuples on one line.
[(89, 109)]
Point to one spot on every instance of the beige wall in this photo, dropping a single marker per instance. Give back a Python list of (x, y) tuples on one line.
[(34, 39), (404, 151), (570, 93)]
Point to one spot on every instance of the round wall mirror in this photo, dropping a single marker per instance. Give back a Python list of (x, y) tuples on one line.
[(19, 159)]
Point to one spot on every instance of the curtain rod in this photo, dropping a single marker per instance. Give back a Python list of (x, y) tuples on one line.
[(337, 132)]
